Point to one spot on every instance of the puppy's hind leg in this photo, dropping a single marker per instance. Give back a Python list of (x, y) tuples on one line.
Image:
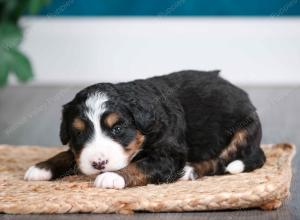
[(249, 155), (253, 161)]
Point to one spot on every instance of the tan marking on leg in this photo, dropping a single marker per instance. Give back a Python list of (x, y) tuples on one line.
[(205, 167), (111, 119), (210, 167), (78, 124), (133, 176), (77, 157), (238, 138), (135, 145)]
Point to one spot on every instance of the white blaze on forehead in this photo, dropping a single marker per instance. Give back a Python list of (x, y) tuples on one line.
[(95, 108), (96, 104), (100, 147)]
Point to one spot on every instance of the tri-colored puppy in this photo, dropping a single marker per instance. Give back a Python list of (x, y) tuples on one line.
[(179, 126)]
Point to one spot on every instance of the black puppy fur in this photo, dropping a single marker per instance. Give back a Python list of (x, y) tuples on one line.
[(185, 117)]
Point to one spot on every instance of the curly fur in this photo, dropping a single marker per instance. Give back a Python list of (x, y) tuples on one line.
[(186, 118)]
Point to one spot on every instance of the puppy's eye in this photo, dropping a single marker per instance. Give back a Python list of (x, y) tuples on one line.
[(117, 129)]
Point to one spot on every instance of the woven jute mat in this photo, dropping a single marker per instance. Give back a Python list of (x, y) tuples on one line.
[(265, 188)]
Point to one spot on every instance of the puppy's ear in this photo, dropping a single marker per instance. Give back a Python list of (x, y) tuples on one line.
[(144, 117), (64, 126)]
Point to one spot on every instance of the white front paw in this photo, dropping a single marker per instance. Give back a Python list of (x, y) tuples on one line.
[(110, 180), (35, 174)]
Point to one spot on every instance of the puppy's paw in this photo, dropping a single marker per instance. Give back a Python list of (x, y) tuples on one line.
[(110, 180), (189, 173), (35, 173), (235, 167)]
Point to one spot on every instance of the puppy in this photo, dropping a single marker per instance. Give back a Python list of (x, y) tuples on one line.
[(184, 125)]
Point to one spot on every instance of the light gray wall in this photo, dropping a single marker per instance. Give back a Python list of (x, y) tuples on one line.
[(89, 50)]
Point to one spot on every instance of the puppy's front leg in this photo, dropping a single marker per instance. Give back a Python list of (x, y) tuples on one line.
[(128, 176), (155, 170), (62, 164)]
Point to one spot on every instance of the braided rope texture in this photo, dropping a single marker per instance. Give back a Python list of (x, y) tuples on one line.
[(265, 188)]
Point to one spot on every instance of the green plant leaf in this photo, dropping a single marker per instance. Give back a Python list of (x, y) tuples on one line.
[(5, 58), (11, 59), (20, 65), (35, 5), (3, 73), (10, 36), (7, 9)]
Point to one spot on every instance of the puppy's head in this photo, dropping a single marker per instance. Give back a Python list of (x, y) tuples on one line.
[(103, 133)]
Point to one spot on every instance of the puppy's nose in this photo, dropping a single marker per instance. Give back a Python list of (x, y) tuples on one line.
[(99, 165)]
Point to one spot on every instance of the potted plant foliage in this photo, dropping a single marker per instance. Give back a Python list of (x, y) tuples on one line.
[(12, 60)]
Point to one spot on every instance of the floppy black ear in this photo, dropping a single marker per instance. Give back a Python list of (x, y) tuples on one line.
[(144, 117), (64, 126)]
